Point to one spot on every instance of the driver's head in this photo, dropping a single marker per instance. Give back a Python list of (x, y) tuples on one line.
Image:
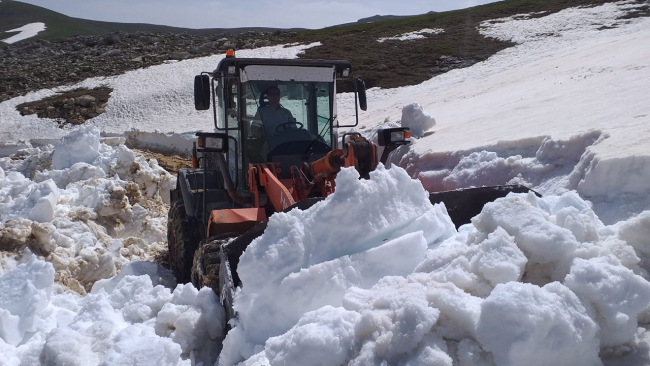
[(273, 93)]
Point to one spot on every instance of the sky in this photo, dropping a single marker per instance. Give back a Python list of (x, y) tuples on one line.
[(312, 14)]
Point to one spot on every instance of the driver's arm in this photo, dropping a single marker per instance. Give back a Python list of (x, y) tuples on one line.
[(257, 128), (291, 117)]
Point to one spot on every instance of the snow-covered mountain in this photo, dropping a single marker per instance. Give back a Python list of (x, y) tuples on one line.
[(559, 280)]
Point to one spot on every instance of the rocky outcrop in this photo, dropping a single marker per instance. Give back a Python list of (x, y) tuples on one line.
[(32, 65), (75, 106)]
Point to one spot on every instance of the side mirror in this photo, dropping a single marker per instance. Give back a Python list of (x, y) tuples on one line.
[(361, 91), (202, 92)]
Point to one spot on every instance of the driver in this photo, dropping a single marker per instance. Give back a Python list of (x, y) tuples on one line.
[(273, 114)]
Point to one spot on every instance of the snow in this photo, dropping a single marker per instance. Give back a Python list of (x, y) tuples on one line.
[(26, 31), (416, 119), (374, 274), (90, 212), (531, 281), (399, 223), (412, 35), (134, 322), (151, 107)]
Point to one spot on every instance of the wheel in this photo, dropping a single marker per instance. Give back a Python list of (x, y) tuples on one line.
[(183, 237), (205, 269)]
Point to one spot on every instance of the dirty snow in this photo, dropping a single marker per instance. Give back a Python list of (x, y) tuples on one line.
[(26, 31), (412, 35), (559, 280)]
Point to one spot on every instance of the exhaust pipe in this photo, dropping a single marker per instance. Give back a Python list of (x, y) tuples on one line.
[(230, 187)]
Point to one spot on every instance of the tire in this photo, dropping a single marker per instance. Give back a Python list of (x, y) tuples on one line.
[(205, 269), (183, 237)]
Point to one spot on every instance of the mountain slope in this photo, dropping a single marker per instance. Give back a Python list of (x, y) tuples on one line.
[(392, 64), (15, 14)]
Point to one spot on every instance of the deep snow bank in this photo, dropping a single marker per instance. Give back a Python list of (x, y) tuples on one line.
[(85, 206), (129, 320), (308, 259), (531, 281)]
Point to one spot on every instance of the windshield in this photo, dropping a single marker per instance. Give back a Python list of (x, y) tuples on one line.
[(287, 115)]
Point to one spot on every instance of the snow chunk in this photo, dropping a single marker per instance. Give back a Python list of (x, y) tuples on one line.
[(502, 261), (81, 145), (90, 216), (415, 118), (134, 322), (321, 338), (24, 293), (389, 202), (476, 267), (522, 324), (535, 233), (615, 293), (299, 264)]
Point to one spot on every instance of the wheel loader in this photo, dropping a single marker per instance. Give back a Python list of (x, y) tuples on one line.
[(253, 164)]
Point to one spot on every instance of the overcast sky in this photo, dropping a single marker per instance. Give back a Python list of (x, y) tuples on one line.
[(245, 13)]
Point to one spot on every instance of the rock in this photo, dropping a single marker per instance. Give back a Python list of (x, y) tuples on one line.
[(112, 53), (261, 43), (179, 55), (111, 40), (85, 100)]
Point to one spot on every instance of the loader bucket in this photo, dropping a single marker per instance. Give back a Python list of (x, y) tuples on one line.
[(230, 253), (465, 203)]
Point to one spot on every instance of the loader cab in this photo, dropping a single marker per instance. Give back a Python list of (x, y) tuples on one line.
[(303, 128)]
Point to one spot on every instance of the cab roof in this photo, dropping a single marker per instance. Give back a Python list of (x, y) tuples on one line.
[(243, 62)]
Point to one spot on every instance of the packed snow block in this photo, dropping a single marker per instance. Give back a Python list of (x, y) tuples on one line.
[(365, 213), (534, 231), (323, 337), (502, 261), (383, 225), (636, 232), (82, 145), (134, 322), (24, 293), (157, 275), (475, 267), (77, 172), (569, 150), (416, 119), (602, 177), (276, 308), (613, 292), (45, 197), (391, 323), (525, 325)]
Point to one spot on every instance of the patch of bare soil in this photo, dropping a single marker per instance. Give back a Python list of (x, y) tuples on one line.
[(171, 163), (74, 106)]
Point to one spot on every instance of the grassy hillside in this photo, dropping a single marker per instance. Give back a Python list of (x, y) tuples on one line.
[(398, 63), (15, 14)]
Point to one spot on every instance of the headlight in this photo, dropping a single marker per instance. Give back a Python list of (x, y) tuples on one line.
[(397, 136), (393, 136), (214, 142)]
